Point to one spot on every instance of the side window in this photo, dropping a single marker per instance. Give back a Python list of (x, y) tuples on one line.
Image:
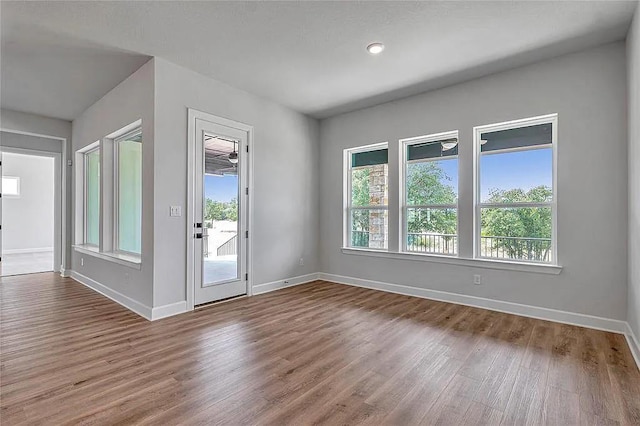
[(367, 204)]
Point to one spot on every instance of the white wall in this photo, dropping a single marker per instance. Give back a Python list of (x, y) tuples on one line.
[(588, 91), (131, 100), (28, 220), (16, 140), (34, 124), (285, 155), (633, 73), (31, 124)]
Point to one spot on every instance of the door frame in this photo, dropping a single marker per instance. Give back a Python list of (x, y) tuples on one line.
[(193, 115), (59, 199)]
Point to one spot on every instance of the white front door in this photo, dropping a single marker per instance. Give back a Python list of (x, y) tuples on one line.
[(220, 228)]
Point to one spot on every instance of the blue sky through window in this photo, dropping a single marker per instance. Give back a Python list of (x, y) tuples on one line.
[(509, 170), (221, 188), (513, 170)]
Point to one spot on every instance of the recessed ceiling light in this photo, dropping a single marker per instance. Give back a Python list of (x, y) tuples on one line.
[(375, 48)]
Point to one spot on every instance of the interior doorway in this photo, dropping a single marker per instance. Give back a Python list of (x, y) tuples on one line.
[(30, 212)]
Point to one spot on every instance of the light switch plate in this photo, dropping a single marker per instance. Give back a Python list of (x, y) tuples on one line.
[(175, 211)]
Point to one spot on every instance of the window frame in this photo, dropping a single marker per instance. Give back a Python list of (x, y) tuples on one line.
[(404, 146), (116, 190), (347, 195), (478, 205), (94, 147)]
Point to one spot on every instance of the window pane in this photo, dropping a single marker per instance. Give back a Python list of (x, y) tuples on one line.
[(519, 233), (518, 176), (432, 230), (369, 228), (433, 149), (370, 158), (92, 208), (519, 137), (130, 195), (432, 182), (369, 185)]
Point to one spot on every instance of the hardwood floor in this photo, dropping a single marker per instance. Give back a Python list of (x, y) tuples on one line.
[(316, 353)]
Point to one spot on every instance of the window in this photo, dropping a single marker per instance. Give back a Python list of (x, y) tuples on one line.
[(128, 199), (430, 210), (92, 197), (515, 190), (10, 186), (367, 198)]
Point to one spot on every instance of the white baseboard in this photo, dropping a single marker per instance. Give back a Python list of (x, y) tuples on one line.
[(135, 306), (634, 344), (288, 282), (572, 318), (28, 250), (65, 273), (169, 310), (547, 314)]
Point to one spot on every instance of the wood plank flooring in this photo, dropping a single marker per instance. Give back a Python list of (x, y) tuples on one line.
[(319, 353)]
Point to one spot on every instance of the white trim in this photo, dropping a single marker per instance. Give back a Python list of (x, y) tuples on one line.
[(65, 273), (28, 250), (287, 282), (634, 344), (130, 261), (455, 260), (169, 310), (133, 305), (547, 314), (127, 130)]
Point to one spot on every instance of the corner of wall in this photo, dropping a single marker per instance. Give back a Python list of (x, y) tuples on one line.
[(633, 76)]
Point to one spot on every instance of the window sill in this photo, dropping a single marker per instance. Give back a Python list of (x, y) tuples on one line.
[(128, 260), (474, 263)]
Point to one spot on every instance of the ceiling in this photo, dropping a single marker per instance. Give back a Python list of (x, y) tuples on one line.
[(216, 156), (309, 56), (51, 74)]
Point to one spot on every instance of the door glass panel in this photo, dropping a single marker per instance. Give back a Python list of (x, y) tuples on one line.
[(220, 229)]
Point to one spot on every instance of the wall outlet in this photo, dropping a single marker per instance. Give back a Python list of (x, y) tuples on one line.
[(302, 261), (82, 261), (477, 279)]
